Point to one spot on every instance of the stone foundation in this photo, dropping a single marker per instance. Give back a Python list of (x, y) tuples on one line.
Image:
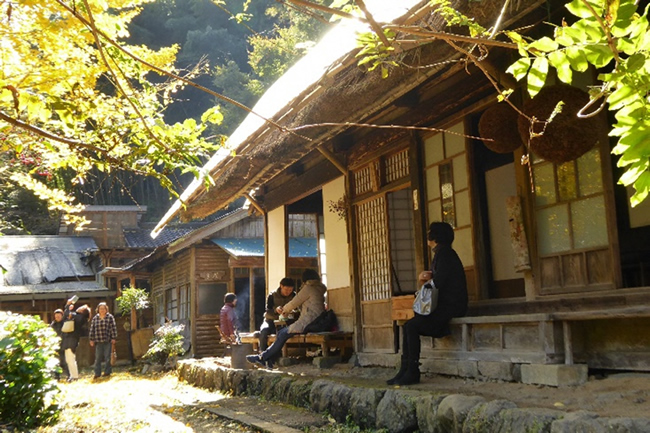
[(400, 410)]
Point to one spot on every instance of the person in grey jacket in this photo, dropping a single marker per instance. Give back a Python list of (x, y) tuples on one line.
[(311, 300)]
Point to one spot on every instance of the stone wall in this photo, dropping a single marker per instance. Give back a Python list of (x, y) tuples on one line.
[(399, 410)]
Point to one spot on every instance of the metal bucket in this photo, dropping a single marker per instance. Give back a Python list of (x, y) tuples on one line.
[(238, 354)]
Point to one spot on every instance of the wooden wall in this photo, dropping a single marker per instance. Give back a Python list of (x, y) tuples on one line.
[(211, 265), (340, 300)]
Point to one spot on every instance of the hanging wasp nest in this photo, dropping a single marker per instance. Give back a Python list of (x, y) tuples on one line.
[(567, 137), (498, 128)]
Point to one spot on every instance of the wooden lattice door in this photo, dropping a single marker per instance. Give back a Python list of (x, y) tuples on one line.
[(374, 276)]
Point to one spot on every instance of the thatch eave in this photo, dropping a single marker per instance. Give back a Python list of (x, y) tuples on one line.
[(351, 95)]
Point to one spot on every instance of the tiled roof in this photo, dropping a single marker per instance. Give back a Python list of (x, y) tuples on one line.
[(141, 238), (49, 288), (43, 259)]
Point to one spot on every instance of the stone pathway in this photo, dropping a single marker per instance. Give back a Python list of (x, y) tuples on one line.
[(371, 405)]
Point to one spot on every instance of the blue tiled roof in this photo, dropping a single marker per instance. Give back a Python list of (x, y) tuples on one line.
[(254, 247), (303, 247)]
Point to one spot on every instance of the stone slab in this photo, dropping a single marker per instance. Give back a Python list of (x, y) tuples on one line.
[(554, 374), (326, 361)]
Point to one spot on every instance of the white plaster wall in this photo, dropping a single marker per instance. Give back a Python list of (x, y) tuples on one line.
[(501, 184), (276, 247), (337, 262)]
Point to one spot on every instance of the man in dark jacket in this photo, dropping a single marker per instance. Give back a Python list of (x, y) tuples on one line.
[(56, 325), (278, 298)]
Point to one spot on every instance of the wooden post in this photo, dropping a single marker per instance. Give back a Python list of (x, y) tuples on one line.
[(568, 343), (134, 319), (134, 313)]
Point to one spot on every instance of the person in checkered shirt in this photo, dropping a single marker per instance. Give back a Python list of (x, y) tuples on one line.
[(102, 336)]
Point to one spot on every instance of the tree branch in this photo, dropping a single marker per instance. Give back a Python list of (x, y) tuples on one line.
[(100, 48), (46, 134), (175, 76), (327, 9), (375, 26)]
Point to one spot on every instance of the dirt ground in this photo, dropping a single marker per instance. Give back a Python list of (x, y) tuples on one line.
[(133, 402)]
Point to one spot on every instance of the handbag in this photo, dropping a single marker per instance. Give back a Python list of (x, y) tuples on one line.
[(426, 299), (68, 326)]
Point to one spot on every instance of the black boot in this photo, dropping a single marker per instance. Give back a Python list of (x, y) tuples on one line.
[(411, 376), (402, 369)]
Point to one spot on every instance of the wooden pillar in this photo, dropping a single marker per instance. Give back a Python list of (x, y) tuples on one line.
[(134, 314), (251, 297)]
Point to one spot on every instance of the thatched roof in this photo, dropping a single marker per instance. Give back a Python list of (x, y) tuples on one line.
[(342, 93)]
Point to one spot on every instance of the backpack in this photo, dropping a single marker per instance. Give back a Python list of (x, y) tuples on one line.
[(325, 322)]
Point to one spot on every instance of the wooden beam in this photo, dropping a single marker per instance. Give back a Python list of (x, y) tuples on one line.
[(255, 204), (332, 158)]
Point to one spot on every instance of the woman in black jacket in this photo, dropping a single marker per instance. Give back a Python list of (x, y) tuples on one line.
[(70, 340), (448, 275), (57, 324)]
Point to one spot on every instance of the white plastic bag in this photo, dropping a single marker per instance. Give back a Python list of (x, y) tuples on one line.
[(426, 299)]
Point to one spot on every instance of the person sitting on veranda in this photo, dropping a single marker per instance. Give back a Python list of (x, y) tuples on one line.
[(228, 319), (311, 300), (448, 275), (274, 302)]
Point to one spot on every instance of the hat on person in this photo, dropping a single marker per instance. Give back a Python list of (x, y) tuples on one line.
[(58, 310)]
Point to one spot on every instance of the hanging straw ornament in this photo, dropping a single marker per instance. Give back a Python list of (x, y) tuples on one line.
[(566, 137), (498, 125)]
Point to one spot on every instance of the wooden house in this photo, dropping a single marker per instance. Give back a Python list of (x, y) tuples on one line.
[(190, 276), (557, 263), (40, 273)]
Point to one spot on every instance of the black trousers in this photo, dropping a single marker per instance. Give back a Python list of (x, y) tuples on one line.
[(434, 325)]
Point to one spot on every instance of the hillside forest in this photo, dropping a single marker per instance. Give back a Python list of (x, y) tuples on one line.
[(236, 48)]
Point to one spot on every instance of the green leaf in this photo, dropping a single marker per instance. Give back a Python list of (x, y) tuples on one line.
[(212, 115), (519, 69), (577, 58), (590, 30), (579, 9), (544, 44), (626, 45), (635, 62), (599, 55), (560, 62), (635, 138), (515, 37), (621, 97), (633, 172), (537, 76), (642, 187)]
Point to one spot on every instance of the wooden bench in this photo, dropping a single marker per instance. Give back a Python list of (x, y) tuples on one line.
[(326, 341), (536, 338)]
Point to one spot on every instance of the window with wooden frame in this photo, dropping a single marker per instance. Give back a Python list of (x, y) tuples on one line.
[(571, 223), (448, 194), (159, 308), (171, 304), (184, 304)]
